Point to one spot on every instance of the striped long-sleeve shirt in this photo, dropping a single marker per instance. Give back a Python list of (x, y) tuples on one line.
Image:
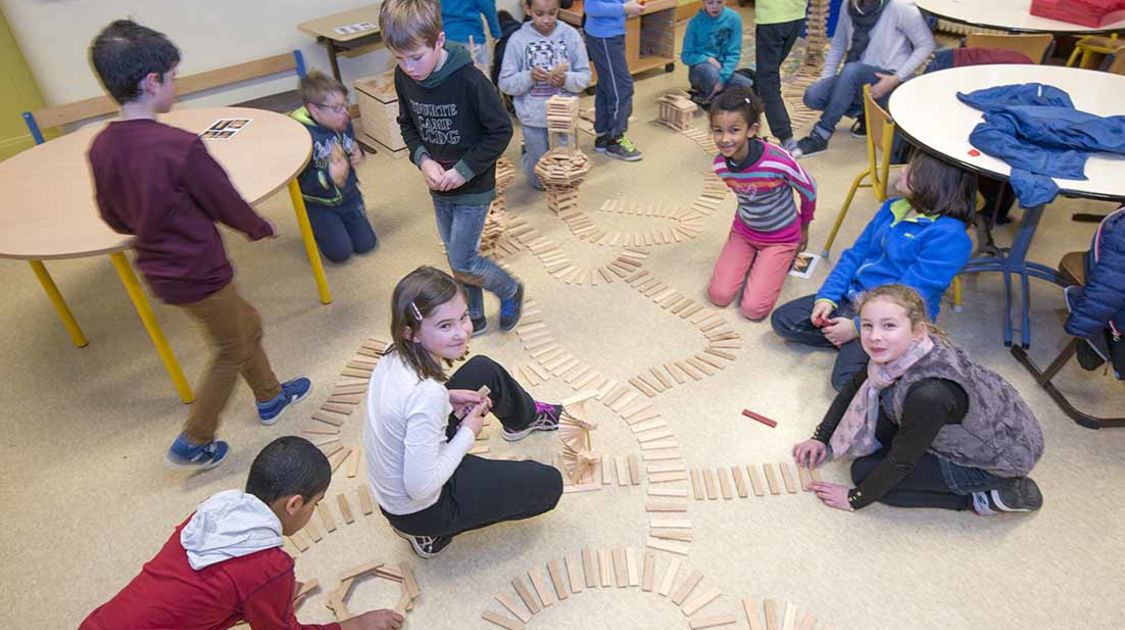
[(764, 183)]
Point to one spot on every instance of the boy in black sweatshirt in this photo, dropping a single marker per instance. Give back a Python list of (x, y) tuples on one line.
[(456, 128)]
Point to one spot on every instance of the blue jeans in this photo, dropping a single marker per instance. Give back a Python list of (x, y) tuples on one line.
[(791, 322), (841, 95), (613, 95), (535, 143), (342, 230), (704, 76), (460, 227)]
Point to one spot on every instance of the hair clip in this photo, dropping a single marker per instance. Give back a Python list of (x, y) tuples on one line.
[(417, 313), (747, 99)]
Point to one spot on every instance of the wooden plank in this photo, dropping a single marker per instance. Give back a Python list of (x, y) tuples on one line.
[(540, 586), (670, 572), (502, 621), (712, 621), (686, 587), (709, 483), (634, 469), (696, 484), (573, 566), (649, 572), (326, 517), (684, 535), (725, 483), (787, 477), (529, 600), (345, 509), (773, 622), (789, 621), (556, 580), (752, 616), (695, 604), (771, 479), (740, 481), (620, 571), (513, 607), (622, 471), (667, 477), (653, 506), (655, 491), (807, 622), (606, 562), (668, 545), (632, 571), (590, 569), (755, 480), (803, 473)]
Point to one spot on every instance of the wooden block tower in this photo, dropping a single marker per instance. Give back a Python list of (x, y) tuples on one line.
[(562, 122), (497, 220), (676, 110)]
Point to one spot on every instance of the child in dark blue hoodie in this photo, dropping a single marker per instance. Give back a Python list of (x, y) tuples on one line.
[(329, 184)]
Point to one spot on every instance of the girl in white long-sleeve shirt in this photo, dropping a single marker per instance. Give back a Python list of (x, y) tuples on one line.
[(421, 424)]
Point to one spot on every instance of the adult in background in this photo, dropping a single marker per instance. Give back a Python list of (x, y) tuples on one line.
[(777, 24)]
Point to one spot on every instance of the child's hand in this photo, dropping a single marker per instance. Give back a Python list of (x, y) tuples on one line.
[(832, 494), (356, 156), (451, 180), (539, 75), (474, 420), (338, 167), (558, 80), (384, 619), (433, 173), (633, 8), (714, 63), (804, 240), (840, 330), (820, 313), (460, 398), (886, 84), (810, 453)]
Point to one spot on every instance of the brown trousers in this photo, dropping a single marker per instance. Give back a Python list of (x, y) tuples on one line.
[(234, 329)]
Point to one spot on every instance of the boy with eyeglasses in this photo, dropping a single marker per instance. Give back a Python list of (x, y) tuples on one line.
[(329, 183)]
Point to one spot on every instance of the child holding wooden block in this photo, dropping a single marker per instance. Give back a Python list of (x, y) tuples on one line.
[(768, 229), (224, 565), (543, 58), (421, 424), (928, 426)]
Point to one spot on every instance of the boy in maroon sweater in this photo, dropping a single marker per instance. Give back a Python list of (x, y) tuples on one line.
[(160, 184), (225, 563)]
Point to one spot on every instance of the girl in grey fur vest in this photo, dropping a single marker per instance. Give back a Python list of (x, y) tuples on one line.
[(928, 426)]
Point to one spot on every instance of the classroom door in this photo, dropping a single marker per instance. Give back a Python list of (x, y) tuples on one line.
[(18, 94)]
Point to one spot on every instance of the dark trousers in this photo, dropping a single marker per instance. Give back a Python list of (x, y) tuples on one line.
[(772, 43), (924, 487), (481, 491), (791, 321), (613, 95), (341, 231)]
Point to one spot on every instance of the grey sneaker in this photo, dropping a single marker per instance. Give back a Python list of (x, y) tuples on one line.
[(600, 143), (790, 145), (623, 149), (1022, 495), (810, 145), (426, 546), (546, 419)]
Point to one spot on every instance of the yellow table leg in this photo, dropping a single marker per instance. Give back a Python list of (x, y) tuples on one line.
[(137, 294), (310, 242), (67, 317)]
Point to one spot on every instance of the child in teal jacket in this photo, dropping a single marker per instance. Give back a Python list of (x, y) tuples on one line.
[(712, 50)]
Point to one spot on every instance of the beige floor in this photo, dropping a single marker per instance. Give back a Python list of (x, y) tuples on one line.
[(87, 501)]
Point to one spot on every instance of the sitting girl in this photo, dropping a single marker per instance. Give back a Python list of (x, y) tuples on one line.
[(919, 239), (768, 230), (930, 427), (421, 424)]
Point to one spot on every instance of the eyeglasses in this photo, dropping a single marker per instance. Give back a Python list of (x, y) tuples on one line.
[(339, 109)]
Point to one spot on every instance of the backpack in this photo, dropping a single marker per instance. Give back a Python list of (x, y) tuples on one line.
[(1108, 344)]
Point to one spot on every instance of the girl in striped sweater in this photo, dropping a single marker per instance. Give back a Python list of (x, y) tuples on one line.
[(769, 229)]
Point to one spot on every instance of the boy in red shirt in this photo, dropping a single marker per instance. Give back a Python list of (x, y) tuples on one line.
[(225, 564), (159, 184)]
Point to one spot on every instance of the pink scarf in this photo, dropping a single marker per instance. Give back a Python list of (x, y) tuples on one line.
[(855, 435)]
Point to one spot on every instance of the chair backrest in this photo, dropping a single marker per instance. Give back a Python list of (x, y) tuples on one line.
[(1037, 47), (99, 106), (1117, 64), (880, 136)]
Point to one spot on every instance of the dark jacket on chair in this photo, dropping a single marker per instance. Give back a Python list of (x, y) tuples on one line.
[(1098, 311)]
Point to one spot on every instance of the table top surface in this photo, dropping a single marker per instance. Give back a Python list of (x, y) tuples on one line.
[(926, 109), (1007, 15), (325, 26), (49, 209)]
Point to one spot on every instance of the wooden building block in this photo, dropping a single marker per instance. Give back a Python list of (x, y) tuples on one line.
[(814, 473), (787, 477), (695, 604), (773, 620), (807, 622), (697, 484), (540, 586), (298, 540), (709, 483), (529, 600), (622, 471), (606, 563), (632, 571), (328, 417), (634, 469), (789, 620), (313, 531), (502, 621), (725, 483), (803, 473), (676, 465), (653, 506), (345, 509), (760, 418), (752, 615), (712, 621), (353, 463), (740, 481), (659, 491), (556, 580), (686, 587), (326, 517), (513, 607), (366, 505), (338, 458), (573, 567), (590, 568), (667, 477), (670, 546), (771, 479), (649, 572), (338, 408), (670, 572), (755, 480), (620, 571), (684, 535), (669, 523), (661, 455)]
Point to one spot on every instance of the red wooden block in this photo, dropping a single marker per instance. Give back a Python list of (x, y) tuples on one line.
[(760, 418)]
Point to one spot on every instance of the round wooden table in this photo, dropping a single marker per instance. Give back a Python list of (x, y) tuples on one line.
[(927, 112), (1013, 16), (50, 212)]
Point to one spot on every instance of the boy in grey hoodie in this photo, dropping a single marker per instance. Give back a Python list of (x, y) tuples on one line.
[(543, 58), (225, 564)]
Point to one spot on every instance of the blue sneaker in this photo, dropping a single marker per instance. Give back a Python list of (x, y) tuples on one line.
[(511, 310), (291, 392), (187, 456)]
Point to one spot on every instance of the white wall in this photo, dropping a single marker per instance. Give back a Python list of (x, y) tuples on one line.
[(54, 36)]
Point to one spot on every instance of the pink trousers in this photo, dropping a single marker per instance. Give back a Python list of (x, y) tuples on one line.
[(763, 267)]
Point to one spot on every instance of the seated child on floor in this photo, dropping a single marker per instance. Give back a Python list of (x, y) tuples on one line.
[(224, 565), (768, 229), (329, 184), (422, 422), (919, 239), (712, 49), (543, 58)]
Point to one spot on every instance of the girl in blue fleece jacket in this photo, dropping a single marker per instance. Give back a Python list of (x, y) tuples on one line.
[(919, 239)]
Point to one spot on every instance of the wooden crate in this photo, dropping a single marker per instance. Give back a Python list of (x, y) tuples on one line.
[(378, 109)]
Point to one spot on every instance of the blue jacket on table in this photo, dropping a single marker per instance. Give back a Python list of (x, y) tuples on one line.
[(1102, 301), (316, 184), (922, 252)]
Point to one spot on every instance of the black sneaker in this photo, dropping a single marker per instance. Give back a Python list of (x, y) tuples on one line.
[(426, 546), (1022, 495), (810, 145), (600, 143), (859, 128), (511, 310), (480, 326), (546, 419), (623, 149)]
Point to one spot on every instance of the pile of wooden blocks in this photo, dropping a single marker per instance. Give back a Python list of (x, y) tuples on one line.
[(575, 424), (300, 541), (562, 122), (622, 567), (676, 110), (561, 172), (497, 219), (704, 486), (401, 575)]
